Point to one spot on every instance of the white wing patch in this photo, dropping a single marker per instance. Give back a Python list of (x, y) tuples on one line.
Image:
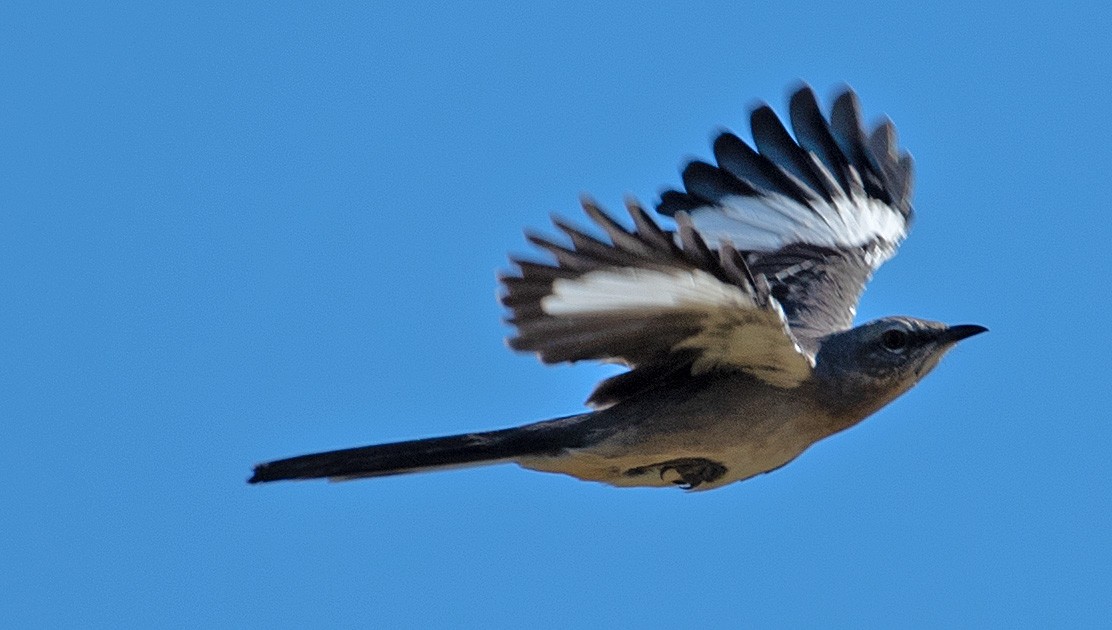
[(772, 221), (629, 288), (733, 331)]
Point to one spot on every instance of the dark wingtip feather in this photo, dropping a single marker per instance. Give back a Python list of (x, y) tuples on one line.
[(883, 140), (812, 133), (895, 167), (846, 113), (646, 228), (712, 184), (821, 158), (739, 159), (694, 246), (801, 94), (774, 142), (673, 201)]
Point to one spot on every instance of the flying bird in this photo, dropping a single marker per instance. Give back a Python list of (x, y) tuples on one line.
[(736, 325)]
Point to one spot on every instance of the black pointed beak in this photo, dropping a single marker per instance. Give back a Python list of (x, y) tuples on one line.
[(954, 334)]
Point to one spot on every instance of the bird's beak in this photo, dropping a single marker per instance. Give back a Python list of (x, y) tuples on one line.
[(954, 334)]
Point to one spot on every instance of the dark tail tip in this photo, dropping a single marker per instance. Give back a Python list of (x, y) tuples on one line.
[(259, 474), (265, 472), (313, 466)]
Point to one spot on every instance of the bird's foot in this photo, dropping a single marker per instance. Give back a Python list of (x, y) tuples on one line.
[(687, 473)]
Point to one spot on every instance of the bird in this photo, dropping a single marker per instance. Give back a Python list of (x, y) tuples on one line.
[(736, 327)]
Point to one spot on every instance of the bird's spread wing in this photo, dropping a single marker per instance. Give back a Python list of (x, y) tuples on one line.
[(655, 300), (774, 247), (815, 215)]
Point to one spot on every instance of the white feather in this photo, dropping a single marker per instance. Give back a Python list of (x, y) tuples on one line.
[(624, 289), (733, 331), (772, 221)]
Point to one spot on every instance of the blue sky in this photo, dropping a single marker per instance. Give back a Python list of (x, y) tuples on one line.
[(234, 233)]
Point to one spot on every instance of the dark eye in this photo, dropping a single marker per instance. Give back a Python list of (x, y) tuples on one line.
[(894, 340)]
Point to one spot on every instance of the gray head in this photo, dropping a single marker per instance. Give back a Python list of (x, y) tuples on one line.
[(868, 366)]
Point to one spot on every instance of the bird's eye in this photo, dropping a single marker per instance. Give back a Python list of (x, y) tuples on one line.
[(894, 340)]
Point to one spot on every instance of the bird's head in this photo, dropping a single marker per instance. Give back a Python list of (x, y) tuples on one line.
[(868, 366)]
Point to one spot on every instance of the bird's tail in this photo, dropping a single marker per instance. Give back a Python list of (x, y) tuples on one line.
[(398, 458)]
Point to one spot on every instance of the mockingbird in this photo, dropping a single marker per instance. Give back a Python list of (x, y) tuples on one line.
[(736, 327)]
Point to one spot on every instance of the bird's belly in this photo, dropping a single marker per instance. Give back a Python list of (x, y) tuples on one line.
[(685, 466), (705, 434)]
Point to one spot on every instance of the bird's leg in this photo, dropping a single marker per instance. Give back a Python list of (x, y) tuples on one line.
[(688, 472)]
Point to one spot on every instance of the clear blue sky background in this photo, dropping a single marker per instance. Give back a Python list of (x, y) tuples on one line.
[(234, 233)]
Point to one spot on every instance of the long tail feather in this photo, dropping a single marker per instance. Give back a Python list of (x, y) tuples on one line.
[(416, 455)]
